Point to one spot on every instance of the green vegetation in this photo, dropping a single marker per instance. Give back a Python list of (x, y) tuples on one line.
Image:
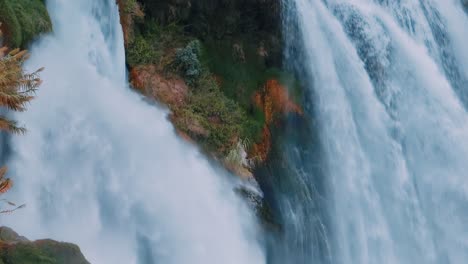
[(223, 71), (219, 115), (224, 117), (26, 254), (141, 52), (15, 249), (175, 52), (23, 20), (41, 252), (242, 70), (130, 6), (187, 62), (155, 44)]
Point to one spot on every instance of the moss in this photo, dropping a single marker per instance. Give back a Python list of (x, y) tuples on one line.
[(154, 43), (223, 71), (26, 254), (242, 77), (61, 252), (23, 20), (224, 119), (15, 249), (141, 52), (221, 116), (242, 74), (41, 252), (130, 6)]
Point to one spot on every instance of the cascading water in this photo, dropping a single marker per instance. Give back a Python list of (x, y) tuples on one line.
[(387, 84), (102, 168)]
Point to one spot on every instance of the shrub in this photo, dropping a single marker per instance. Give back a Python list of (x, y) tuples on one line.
[(141, 52), (187, 62)]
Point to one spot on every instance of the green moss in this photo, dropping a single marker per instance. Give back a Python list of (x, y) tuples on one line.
[(242, 77), (129, 6), (223, 117), (155, 44), (242, 74), (23, 20), (219, 115), (41, 252), (223, 74), (62, 252), (27, 254), (141, 52)]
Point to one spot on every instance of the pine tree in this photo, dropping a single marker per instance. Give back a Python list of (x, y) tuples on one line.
[(17, 88)]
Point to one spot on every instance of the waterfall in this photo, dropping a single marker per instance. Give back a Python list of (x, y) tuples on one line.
[(386, 84), (102, 168)]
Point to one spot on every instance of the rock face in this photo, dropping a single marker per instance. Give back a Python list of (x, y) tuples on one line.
[(15, 249)]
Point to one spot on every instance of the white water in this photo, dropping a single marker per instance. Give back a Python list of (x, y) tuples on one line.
[(388, 79), (101, 168)]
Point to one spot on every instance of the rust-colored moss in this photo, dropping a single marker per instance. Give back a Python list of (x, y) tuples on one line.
[(275, 102)]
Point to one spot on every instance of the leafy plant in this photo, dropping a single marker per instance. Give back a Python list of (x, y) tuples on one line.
[(141, 52), (187, 61), (17, 88)]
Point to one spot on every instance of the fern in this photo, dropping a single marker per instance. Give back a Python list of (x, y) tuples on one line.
[(17, 88)]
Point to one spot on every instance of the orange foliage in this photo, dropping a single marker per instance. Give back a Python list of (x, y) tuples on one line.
[(5, 184), (274, 101), (149, 81)]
